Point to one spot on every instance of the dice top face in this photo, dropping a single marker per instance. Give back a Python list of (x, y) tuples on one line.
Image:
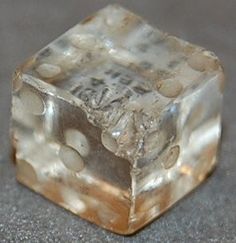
[(116, 120)]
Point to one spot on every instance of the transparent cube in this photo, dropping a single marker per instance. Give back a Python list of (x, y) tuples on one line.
[(116, 120)]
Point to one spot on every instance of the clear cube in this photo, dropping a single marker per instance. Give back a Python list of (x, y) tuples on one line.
[(116, 120)]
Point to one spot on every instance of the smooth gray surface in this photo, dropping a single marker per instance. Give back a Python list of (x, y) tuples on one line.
[(206, 215)]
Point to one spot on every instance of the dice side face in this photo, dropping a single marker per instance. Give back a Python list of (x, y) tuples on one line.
[(116, 120), (59, 154), (187, 153)]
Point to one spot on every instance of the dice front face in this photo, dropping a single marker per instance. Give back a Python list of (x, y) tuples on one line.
[(115, 120), (60, 155)]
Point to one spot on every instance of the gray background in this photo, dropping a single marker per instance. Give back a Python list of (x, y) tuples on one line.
[(206, 215)]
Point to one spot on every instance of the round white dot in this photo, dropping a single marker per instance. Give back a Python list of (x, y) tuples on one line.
[(71, 158), (32, 102), (170, 88), (78, 141), (172, 157), (197, 62), (202, 61), (155, 141), (109, 142), (48, 70), (83, 40)]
